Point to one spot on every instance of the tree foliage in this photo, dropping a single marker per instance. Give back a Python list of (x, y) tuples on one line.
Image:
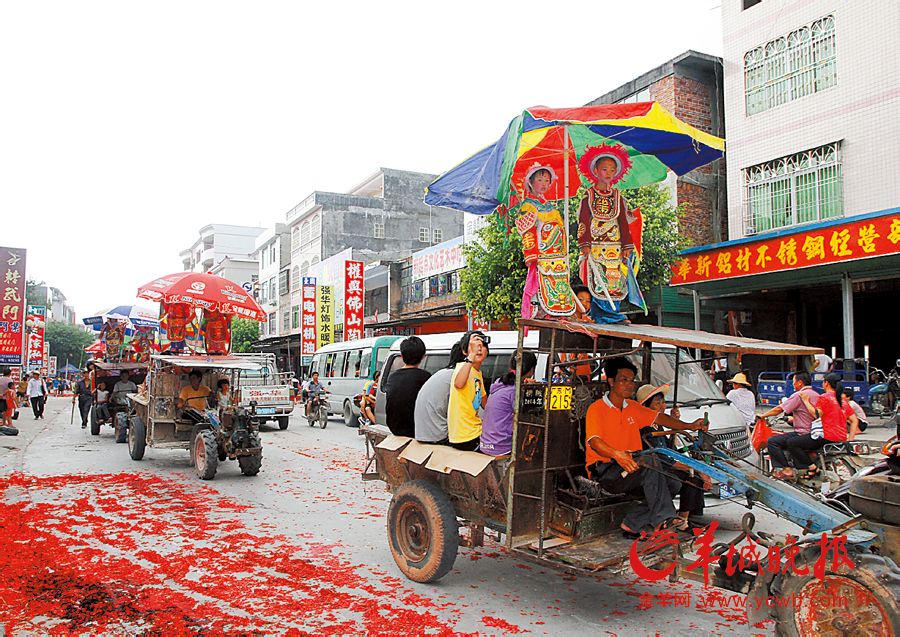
[(32, 297), (243, 333), (67, 342), (492, 281)]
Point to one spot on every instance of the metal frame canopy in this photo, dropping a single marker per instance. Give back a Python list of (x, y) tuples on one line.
[(208, 362), (113, 366), (680, 338)]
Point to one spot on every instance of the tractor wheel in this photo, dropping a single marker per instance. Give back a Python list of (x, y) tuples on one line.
[(849, 601), (121, 427), (283, 422), (137, 438), (422, 531), (206, 454), (250, 465), (95, 423)]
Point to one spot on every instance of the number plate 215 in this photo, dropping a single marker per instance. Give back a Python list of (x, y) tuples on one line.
[(559, 398)]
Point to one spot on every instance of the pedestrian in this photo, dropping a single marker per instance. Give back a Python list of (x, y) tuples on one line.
[(36, 394), (9, 403), (4, 379), (22, 392), (403, 387), (742, 398), (83, 396)]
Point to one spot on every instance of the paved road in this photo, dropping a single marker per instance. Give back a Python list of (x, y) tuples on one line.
[(99, 544)]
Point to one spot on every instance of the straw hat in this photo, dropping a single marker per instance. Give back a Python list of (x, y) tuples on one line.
[(646, 392), (740, 379)]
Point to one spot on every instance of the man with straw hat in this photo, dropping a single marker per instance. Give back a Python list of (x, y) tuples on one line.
[(742, 398)]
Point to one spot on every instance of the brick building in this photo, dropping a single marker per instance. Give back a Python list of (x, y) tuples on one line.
[(690, 87)]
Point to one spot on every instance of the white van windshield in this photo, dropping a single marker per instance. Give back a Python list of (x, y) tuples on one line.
[(695, 387)]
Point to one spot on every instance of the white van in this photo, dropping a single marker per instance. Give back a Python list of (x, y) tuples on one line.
[(697, 392)]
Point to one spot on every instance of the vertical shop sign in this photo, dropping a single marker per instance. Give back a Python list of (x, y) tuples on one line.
[(308, 320), (326, 315), (34, 337), (52, 367), (354, 300), (45, 362), (12, 305)]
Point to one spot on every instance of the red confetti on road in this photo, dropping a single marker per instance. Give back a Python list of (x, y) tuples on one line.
[(136, 553)]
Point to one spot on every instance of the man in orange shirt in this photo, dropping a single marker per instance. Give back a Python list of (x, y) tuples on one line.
[(612, 433)]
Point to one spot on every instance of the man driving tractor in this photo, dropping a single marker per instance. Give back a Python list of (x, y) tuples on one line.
[(194, 394)]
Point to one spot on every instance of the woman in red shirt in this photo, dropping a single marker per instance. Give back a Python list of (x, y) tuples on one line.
[(834, 413)]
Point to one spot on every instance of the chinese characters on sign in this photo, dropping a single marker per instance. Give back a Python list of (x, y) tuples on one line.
[(34, 337), (354, 295), (12, 305), (52, 367), (326, 315), (444, 257), (848, 241), (308, 318)]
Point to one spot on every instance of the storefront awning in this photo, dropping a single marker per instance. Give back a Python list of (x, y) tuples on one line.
[(863, 246)]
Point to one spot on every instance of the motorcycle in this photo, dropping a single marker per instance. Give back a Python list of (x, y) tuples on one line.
[(888, 466), (317, 411), (883, 395)]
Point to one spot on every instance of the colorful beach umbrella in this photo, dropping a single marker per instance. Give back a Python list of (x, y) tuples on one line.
[(204, 291), (655, 140), (133, 315)]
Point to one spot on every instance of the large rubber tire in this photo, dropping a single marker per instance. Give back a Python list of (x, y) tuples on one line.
[(121, 427), (250, 465), (348, 413), (137, 438), (206, 454), (423, 532), (877, 497), (95, 424), (283, 422), (857, 601)]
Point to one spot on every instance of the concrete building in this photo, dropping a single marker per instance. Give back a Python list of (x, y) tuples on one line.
[(690, 87), (812, 104), (55, 301), (217, 241), (272, 280)]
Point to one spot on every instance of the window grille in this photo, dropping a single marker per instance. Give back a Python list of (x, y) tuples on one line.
[(790, 67), (801, 188), (437, 235), (423, 235), (379, 230)]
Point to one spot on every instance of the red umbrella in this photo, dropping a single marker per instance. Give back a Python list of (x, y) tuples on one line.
[(95, 348), (206, 291)]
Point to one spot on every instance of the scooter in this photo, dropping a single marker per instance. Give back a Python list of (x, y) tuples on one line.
[(317, 412)]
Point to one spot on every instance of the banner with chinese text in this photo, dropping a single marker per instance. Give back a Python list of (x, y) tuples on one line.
[(45, 362), (12, 306), (51, 369), (354, 300), (308, 319), (34, 337), (834, 243), (326, 315)]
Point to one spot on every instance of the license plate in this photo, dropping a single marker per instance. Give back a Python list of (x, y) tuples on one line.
[(265, 411), (560, 398)]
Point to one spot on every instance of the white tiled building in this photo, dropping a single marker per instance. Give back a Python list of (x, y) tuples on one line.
[(273, 254), (812, 104)]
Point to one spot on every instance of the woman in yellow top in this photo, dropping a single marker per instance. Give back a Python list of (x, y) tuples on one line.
[(467, 394)]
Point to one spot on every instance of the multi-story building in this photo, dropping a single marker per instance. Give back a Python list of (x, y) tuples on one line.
[(55, 302), (272, 279), (218, 241), (690, 87), (812, 100)]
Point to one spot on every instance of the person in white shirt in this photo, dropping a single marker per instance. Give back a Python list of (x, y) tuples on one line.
[(824, 363), (742, 398), (35, 392), (860, 414)]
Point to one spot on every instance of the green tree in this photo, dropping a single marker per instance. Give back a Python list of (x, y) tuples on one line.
[(243, 333), (67, 342), (31, 293), (492, 281)]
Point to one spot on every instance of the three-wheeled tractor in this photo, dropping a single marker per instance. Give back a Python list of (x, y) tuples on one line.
[(541, 502), (212, 432)]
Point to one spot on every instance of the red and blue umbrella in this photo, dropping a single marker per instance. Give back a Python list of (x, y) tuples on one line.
[(655, 140)]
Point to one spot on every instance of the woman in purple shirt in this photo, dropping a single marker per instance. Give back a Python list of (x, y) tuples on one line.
[(496, 427)]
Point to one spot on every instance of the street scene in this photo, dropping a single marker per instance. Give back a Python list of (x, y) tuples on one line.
[(311, 326)]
